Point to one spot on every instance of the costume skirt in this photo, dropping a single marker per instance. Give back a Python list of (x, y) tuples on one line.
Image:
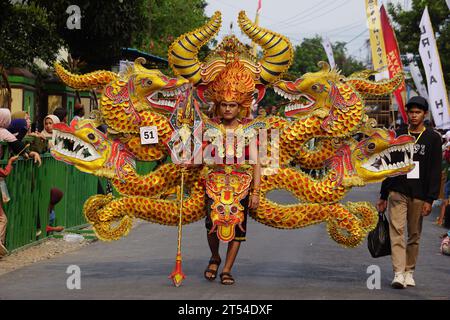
[(240, 235)]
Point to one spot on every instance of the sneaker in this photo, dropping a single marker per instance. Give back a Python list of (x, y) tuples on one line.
[(3, 250), (399, 281), (409, 280)]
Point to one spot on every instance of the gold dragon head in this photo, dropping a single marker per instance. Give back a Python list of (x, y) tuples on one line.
[(378, 156), (150, 88), (310, 94)]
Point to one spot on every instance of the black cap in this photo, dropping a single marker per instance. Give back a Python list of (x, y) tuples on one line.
[(418, 102)]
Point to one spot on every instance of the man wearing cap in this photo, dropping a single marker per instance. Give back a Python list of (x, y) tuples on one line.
[(410, 197)]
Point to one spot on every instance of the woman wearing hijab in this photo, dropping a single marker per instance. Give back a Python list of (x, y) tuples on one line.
[(19, 128), (49, 121), (15, 145), (47, 134)]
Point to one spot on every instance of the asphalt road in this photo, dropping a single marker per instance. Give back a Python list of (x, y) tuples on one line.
[(272, 265)]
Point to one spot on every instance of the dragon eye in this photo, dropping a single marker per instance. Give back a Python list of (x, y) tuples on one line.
[(233, 209), (317, 88), (371, 146), (91, 136), (220, 208)]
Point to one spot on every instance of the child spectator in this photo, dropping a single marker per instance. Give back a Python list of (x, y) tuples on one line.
[(55, 197), (445, 244)]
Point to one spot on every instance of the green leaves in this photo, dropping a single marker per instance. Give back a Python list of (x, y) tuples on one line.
[(311, 51), (170, 19), (26, 33)]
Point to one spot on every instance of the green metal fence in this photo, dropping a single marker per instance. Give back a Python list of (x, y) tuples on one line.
[(29, 188)]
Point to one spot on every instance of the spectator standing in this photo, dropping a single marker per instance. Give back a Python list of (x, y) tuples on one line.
[(55, 197), (3, 219), (411, 196), (78, 112)]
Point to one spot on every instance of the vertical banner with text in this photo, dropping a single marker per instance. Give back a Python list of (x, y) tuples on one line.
[(394, 61), (326, 43), (376, 36), (418, 80), (437, 91)]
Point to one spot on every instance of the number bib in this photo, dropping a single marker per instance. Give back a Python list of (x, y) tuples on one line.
[(149, 135)]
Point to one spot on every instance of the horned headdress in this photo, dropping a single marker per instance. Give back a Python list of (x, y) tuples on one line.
[(231, 72)]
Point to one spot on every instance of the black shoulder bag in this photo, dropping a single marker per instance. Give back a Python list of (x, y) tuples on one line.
[(378, 241)]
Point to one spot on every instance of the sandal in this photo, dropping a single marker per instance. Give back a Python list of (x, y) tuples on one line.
[(213, 276), (226, 278)]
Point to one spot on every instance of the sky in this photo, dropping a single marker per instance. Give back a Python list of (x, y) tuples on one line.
[(339, 20)]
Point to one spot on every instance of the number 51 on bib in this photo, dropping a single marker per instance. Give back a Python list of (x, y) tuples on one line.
[(149, 135)]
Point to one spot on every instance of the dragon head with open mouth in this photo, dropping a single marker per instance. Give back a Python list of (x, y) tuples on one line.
[(309, 93), (379, 156), (89, 149)]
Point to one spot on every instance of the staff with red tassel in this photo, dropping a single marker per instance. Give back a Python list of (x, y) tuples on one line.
[(177, 275)]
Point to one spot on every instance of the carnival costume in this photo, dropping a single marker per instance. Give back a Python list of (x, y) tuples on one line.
[(325, 106)]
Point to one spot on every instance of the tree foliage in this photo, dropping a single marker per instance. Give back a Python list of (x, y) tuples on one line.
[(106, 27), (407, 28), (170, 19), (26, 33), (311, 51), (306, 57)]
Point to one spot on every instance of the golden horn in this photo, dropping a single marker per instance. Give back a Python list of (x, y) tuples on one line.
[(87, 81), (278, 51), (376, 88), (324, 66), (183, 52)]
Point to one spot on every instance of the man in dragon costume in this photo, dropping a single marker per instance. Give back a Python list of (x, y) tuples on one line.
[(324, 106)]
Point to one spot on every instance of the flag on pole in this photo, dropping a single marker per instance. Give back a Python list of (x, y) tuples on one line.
[(326, 43), (437, 91), (394, 61), (418, 79), (376, 36)]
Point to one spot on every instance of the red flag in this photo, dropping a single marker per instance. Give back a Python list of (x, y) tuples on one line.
[(259, 5), (394, 61)]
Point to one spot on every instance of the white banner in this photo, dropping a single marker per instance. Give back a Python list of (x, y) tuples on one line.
[(438, 98), (418, 80), (326, 43), (448, 3)]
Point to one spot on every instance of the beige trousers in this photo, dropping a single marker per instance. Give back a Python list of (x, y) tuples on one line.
[(3, 223), (403, 211)]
